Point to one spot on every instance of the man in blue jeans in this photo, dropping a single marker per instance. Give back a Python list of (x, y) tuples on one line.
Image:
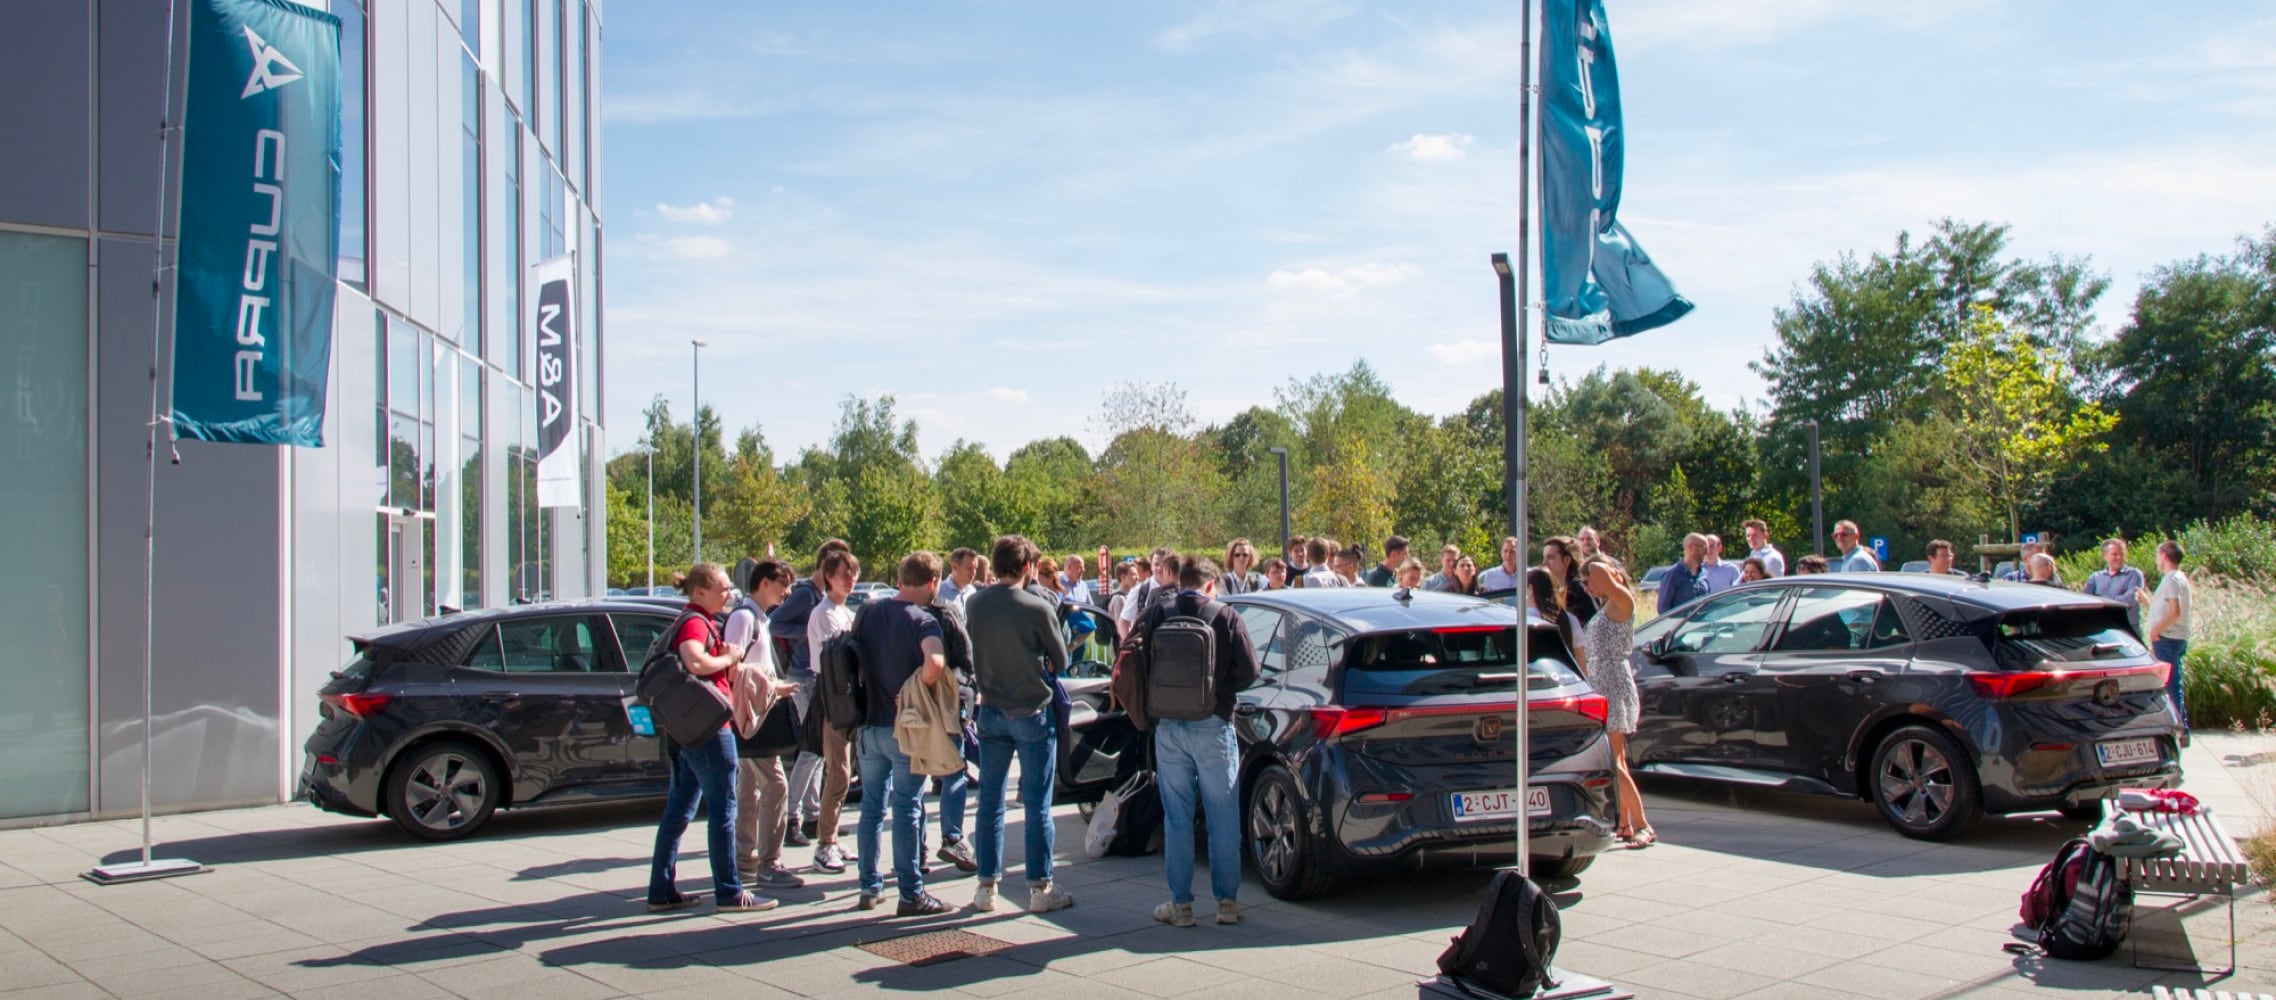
[(1199, 759), (707, 768), (898, 638), (1016, 652)]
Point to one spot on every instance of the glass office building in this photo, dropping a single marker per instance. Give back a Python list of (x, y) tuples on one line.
[(470, 150)]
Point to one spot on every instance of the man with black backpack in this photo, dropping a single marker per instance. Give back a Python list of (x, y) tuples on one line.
[(1197, 659)]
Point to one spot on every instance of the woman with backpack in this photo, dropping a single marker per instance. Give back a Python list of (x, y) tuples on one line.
[(839, 570), (705, 771), (1604, 660)]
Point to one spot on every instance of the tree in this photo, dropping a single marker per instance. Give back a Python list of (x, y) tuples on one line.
[(1243, 447), (1445, 484), (1350, 501), (1640, 434), (2018, 422), (628, 539), (979, 503), (1055, 476), (1154, 486), (756, 506)]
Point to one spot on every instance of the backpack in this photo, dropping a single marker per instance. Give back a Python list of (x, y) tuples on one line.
[(838, 686), (2096, 915), (1181, 664), (2051, 891), (687, 708), (1138, 817), (1509, 948)]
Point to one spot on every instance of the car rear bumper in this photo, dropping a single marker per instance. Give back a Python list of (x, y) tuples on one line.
[(334, 776), (1422, 828), (2046, 773)]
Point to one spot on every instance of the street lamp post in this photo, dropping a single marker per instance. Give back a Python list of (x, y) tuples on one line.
[(696, 425), (1817, 497), (649, 445), (1282, 453)]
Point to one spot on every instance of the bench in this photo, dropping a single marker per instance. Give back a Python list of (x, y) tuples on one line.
[(2210, 864)]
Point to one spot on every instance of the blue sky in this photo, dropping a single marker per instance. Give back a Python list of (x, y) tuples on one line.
[(995, 210)]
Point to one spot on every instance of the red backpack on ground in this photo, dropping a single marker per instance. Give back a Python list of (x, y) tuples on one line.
[(2052, 890)]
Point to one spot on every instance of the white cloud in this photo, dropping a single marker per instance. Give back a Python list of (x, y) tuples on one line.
[(709, 213), (1251, 17), (1433, 148), (698, 247), (1002, 395), (1463, 352), (1342, 282)]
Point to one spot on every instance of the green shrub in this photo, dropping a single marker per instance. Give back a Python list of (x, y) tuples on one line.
[(2229, 678), (2242, 548)]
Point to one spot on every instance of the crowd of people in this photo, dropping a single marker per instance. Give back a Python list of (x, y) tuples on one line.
[(961, 666)]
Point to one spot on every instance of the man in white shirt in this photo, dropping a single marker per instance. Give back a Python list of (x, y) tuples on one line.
[(1759, 547), (1715, 574), (1854, 558), (1072, 586), (963, 566), (1508, 574), (1318, 552), (2168, 629)]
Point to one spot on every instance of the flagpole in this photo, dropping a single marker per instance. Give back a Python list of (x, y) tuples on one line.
[(153, 868)]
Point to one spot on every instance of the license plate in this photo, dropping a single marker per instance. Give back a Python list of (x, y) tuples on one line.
[(1469, 806), (2119, 752)]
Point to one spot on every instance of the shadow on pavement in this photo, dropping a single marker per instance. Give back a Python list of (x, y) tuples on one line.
[(1836, 834), (366, 836)]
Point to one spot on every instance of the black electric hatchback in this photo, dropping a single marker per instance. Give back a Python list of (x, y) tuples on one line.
[(437, 724), (1936, 698), (1382, 733)]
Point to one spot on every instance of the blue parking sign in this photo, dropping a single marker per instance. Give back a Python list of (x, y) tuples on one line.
[(2030, 538), (1881, 549)]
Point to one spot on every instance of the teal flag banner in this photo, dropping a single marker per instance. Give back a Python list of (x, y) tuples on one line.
[(1598, 284), (260, 223)]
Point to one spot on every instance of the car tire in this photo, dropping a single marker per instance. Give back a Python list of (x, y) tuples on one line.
[(1542, 868), (443, 790), (1924, 784), (2089, 811), (1279, 839)]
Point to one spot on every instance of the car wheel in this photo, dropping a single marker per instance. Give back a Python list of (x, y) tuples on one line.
[(1542, 868), (443, 790), (2089, 811), (1280, 839), (1924, 784)]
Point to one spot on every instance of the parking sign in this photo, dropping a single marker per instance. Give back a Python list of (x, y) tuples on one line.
[(1881, 549), (2030, 538)]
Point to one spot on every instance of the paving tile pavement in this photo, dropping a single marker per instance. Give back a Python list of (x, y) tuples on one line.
[(1750, 894)]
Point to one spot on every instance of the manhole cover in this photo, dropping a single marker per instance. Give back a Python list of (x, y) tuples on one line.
[(935, 947)]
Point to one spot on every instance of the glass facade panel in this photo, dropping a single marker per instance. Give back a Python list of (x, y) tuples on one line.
[(353, 170), (470, 220), (504, 345), (588, 314), (470, 482), (572, 141), (43, 594), (470, 23)]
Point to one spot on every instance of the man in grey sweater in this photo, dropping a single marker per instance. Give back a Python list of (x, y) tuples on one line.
[(1016, 651)]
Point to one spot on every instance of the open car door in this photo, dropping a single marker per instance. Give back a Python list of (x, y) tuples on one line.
[(1099, 747)]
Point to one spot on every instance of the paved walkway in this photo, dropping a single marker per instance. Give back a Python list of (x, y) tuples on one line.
[(1749, 894)]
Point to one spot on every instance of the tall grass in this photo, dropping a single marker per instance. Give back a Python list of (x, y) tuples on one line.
[(2241, 548), (2229, 677)]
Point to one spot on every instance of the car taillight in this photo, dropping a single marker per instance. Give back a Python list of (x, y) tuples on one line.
[(362, 706), (1592, 706), (1329, 723), (2009, 684)]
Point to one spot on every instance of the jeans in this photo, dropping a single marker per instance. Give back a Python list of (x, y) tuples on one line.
[(885, 777), (759, 815), (1036, 741), (707, 770), (2173, 651), (1198, 760), (955, 789)]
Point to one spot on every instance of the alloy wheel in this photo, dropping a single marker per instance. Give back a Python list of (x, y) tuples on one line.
[(445, 791), (1917, 783), (1272, 824)]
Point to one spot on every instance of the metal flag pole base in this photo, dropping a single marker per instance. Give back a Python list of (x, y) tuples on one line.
[(144, 871), (1570, 986)]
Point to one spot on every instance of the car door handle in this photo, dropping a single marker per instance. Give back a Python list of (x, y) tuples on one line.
[(1246, 709), (1734, 677), (1865, 676)]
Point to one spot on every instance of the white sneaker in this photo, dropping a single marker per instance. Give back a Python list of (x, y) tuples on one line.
[(984, 897), (1228, 912), (1044, 897)]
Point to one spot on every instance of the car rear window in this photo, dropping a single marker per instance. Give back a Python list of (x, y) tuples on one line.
[(2067, 635), (1449, 661)]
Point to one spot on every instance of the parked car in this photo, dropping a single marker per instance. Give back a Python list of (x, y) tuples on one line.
[(1937, 698), (436, 724), (1382, 734)]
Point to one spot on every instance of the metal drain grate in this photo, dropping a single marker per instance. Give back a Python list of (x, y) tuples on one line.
[(935, 947)]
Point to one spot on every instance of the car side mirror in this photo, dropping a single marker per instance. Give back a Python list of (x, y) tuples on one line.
[(1657, 651)]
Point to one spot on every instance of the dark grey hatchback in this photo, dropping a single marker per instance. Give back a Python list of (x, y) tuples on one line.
[(437, 723), (1936, 698), (1382, 733)]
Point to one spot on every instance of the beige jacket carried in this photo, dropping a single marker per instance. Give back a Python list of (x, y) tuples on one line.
[(928, 727)]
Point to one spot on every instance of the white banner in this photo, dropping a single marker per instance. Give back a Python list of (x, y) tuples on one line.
[(560, 478)]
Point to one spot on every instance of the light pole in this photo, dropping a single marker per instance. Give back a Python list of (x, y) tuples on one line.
[(648, 444), (1817, 497), (695, 418), (1513, 455), (1282, 453)]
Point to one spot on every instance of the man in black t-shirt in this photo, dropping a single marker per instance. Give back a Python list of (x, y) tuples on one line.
[(897, 638)]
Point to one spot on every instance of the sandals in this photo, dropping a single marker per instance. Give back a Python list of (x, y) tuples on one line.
[(1642, 839)]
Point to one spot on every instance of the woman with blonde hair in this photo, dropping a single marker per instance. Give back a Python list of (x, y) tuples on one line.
[(1604, 659), (1240, 575)]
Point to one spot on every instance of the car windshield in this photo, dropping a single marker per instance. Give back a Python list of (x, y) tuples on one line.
[(1447, 661), (2068, 635)]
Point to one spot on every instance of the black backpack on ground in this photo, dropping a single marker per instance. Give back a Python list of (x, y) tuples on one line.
[(2090, 921), (1181, 667), (1508, 949), (1138, 824), (838, 685), (687, 708)]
